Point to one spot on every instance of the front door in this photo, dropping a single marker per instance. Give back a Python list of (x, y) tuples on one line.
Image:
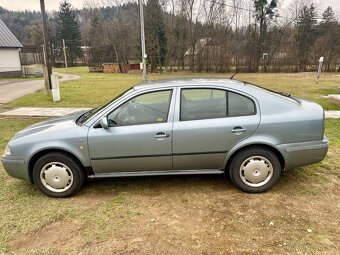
[(139, 137)]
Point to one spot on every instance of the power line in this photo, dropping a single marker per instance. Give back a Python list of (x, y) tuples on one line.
[(245, 9), (228, 5)]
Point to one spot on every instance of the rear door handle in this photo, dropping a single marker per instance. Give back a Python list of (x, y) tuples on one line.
[(238, 130), (161, 135)]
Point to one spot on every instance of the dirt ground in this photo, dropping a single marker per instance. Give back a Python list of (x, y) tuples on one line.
[(194, 215)]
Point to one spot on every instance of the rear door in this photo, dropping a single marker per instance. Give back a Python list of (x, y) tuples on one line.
[(208, 123)]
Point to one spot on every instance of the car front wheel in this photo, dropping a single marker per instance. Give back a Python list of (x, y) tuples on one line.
[(58, 175), (255, 170)]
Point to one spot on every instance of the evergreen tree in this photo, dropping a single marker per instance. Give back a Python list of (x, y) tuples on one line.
[(329, 37), (69, 30), (95, 40), (328, 16), (305, 34), (156, 40), (264, 13), (181, 40)]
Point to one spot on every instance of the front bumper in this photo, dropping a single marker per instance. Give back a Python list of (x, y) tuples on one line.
[(16, 167), (303, 154)]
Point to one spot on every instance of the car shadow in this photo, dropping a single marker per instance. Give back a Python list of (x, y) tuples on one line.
[(160, 183)]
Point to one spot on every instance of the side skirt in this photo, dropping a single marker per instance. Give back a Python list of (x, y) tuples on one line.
[(155, 173)]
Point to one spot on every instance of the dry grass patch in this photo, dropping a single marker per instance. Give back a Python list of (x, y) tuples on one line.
[(95, 89)]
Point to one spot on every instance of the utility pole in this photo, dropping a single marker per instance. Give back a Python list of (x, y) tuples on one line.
[(47, 67), (65, 53), (142, 36), (44, 53)]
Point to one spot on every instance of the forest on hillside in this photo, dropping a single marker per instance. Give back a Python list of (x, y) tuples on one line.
[(195, 35)]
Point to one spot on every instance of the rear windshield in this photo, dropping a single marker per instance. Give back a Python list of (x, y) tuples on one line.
[(283, 94)]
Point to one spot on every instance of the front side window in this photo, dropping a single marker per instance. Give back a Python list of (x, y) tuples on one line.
[(147, 108), (143, 109)]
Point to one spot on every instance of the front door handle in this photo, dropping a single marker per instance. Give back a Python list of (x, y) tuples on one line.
[(238, 130), (161, 135)]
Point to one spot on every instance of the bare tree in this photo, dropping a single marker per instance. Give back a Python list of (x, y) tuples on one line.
[(193, 10)]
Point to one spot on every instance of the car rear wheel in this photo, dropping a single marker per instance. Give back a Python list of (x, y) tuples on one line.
[(255, 170), (58, 175)]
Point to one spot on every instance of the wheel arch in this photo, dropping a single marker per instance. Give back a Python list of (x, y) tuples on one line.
[(255, 145), (87, 170)]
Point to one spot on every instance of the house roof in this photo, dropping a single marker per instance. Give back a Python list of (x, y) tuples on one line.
[(7, 39)]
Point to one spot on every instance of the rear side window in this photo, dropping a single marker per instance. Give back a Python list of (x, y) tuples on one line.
[(199, 104)]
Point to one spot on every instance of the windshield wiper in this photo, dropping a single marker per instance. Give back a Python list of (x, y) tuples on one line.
[(273, 91), (84, 116), (283, 93), (288, 95)]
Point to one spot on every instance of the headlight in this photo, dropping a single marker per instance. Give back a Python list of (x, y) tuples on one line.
[(8, 151)]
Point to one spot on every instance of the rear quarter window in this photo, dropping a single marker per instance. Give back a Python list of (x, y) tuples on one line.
[(239, 105)]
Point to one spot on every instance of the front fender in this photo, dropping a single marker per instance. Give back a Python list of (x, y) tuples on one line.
[(77, 148)]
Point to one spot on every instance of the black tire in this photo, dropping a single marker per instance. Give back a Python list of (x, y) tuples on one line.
[(69, 167), (267, 161)]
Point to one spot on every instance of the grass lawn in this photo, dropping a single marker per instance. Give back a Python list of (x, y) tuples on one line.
[(95, 89), (168, 215), (175, 214)]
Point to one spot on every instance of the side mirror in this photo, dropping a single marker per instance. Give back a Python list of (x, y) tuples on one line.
[(104, 123)]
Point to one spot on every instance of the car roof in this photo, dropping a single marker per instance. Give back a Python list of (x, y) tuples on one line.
[(189, 82), (244, 87)]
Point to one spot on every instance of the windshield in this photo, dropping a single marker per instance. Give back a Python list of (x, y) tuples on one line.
[(87, 115)]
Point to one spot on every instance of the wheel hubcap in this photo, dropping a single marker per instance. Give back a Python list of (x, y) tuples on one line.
[(56, 177), (256, 171)]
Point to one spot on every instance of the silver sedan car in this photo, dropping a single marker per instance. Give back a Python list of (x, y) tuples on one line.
[(173, 127)]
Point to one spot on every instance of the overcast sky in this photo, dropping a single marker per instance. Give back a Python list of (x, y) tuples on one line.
[(54, 4), (35, 4)]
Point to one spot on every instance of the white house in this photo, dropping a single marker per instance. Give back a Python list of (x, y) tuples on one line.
[(10, 64)]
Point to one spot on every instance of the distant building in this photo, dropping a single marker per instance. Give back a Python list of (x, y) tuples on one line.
[(10, 64)]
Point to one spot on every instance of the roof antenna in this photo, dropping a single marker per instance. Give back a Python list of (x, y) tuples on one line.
[(232, 77)]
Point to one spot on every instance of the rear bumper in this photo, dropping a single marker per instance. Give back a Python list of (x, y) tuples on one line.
[(16, 167), (303, 154)]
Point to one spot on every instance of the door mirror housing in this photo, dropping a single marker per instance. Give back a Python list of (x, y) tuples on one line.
[(104, 123)]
